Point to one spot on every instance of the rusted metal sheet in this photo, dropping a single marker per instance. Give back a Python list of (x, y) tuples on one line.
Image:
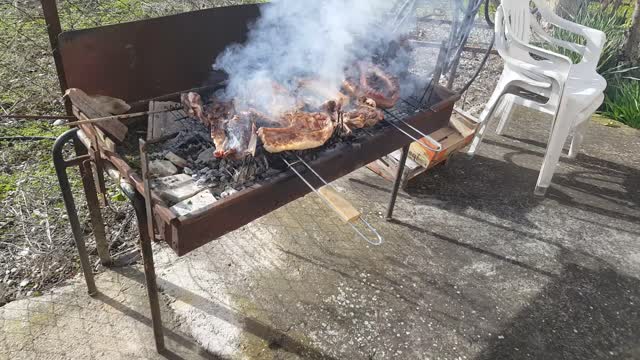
[(149, 58)]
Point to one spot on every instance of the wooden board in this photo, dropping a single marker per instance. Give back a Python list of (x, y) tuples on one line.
[(98, 107), (164, 123), (453, 137), (345, 210)]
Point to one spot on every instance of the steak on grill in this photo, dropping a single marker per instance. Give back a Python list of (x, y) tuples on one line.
[(374, 83), (365, 115), (304, 131)]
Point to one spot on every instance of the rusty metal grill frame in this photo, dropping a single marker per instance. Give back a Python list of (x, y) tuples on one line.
[(127, 62)]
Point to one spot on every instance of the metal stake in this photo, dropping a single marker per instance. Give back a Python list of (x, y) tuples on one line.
[(97, 223), (396, 184), (147, 253), (52, 19)]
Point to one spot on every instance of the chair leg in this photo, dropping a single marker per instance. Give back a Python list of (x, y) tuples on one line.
[(578, 138), (559, 134), (505, 110), (484, 120)]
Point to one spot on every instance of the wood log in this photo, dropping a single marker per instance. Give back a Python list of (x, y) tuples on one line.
[(98, 107), (163, 119)]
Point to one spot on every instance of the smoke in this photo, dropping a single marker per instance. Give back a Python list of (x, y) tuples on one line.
[(308, 39)]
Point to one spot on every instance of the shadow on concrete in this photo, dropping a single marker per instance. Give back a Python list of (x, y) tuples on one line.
[(599, 180), (473, 248), (186, 348), (504, 189), (276, 339), (581, 314)]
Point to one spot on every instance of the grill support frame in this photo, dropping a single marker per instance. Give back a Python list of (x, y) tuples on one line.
[(90, 150)]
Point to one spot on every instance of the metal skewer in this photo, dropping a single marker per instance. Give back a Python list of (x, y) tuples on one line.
[(120, 117), (331, 205), (423, 135)]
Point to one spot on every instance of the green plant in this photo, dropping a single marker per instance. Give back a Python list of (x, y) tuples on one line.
[(613, 24), (622, 101), (622, 97)]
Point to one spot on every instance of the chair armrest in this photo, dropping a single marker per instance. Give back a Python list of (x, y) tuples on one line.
[(556, 71), (596, 39), (561, 65), (577, 48)]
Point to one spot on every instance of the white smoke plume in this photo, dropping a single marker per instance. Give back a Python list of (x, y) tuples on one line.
[(307, 39)]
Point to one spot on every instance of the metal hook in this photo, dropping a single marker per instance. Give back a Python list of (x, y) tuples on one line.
[(366, 223), (373, 230)]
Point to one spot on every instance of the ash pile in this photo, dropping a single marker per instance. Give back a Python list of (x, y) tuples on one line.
[(188, 155)]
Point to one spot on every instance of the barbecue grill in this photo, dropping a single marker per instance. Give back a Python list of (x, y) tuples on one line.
[(145, 60)]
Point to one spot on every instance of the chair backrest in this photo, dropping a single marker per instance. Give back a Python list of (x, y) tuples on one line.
[(517, 18)]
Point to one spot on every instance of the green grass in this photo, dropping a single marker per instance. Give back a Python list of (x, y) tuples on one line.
[(622, 102), (20, 158)]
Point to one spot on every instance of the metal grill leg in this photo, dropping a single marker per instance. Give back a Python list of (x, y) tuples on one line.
[(61, 171), (138, 203), (398, 181), (97, 223)]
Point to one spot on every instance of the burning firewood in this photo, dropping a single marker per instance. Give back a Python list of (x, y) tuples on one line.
[(240, 138), (211, 117), (305, 131)]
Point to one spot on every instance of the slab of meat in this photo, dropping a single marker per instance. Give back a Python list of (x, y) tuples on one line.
[(365, 115), (374, 83), (233, 134), (305, 131), (240, 140)]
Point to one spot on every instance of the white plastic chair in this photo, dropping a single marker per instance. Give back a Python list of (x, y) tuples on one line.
[(574, 91)]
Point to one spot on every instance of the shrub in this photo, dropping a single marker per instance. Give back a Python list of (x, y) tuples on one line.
[(622, 101), (622, 97)]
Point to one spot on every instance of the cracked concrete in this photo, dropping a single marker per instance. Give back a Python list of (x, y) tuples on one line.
[(473, 267)]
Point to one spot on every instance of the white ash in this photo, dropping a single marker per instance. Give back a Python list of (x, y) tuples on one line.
[(193, 144)]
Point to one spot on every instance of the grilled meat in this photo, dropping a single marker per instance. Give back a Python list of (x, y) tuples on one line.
[(374, 83), (365, 115), (233, 134), (304, 131)]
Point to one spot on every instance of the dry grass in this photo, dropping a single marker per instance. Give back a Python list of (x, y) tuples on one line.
[(36, 248)]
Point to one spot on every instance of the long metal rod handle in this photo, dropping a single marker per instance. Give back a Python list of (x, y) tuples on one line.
[(366, 223), (380, 238), (439, 146)]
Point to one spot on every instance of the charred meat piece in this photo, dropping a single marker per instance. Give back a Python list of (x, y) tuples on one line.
[(212, 116), (304, 131), (240, 140), (374, 83), (365, 115), (233, 134)]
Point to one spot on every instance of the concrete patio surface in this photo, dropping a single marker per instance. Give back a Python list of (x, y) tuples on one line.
[(474, 266)]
